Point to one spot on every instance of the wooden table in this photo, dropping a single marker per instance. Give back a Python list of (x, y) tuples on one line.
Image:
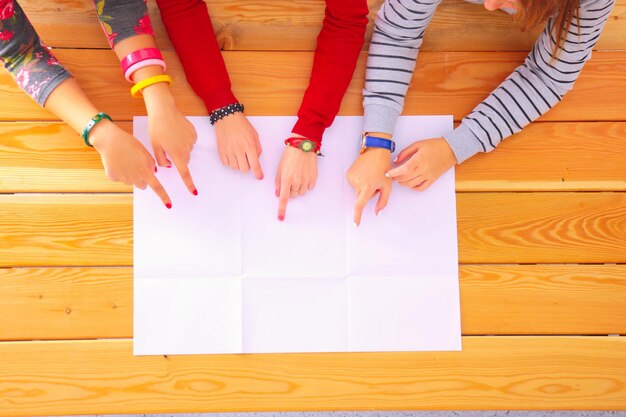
[(541, 222)]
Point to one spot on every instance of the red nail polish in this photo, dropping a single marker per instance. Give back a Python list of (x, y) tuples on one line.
[(195, 192), (277, 193), (169, 166), (168, 205), (155, 168), (281, 218)]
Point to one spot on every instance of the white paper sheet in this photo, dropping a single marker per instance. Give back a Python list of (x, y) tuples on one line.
[(220, 274), (416, 231), (184, 316), (295, 315), (200, 236), (308, 236), (403, 313)]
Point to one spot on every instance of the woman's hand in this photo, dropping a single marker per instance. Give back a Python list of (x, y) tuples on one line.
[(238, 144), (125, 159), (426, 161), (367, 177), (170, 132), (297, 174)]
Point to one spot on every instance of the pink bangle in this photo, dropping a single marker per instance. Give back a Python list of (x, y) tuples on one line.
[(142, 64), (140, 55)]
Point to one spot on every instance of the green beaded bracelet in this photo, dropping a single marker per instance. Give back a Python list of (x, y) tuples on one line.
[(94, 121)]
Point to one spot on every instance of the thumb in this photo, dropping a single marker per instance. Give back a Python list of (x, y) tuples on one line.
[(159, 155), (407, 152), (383, 198)]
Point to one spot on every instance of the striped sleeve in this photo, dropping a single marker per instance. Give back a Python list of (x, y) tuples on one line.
[(534, 87), (397, 38)]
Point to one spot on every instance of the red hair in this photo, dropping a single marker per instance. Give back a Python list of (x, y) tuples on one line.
[(535, 12)]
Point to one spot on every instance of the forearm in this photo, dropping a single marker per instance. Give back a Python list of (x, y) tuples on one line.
[(534, 87), (190, 29), (122, 19), (338, 47), (391, 61), (128, 28), (153, 95), (71, 105), (22, 53)]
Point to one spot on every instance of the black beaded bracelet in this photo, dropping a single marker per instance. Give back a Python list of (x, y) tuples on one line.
[(222, 112)]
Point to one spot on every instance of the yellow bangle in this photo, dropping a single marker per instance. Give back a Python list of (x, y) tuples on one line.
[(136, 90)]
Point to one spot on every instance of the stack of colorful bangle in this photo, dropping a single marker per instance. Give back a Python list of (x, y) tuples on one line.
[(141, 59)]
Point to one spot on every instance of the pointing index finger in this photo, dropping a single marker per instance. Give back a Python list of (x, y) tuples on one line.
[(156, 186), (361, 201), (283, 199), (185, 175)]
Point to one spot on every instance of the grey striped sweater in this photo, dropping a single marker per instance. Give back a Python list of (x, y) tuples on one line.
[(530, 91)]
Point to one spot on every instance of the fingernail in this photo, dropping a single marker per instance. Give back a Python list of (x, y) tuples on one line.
[(395, 159), (195, 192), (169, 166), (281, 218), (155, 168), (168, 205), (387, 174), (379, 211), (277, 193), (355, 225)]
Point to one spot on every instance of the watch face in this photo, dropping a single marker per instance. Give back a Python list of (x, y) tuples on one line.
[(307, 145)]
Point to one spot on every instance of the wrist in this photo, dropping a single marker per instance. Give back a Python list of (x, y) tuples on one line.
[(101, 133), (304, 144), (219, 114), (378, 134), (382, 152), (158, 96), (377, 141)]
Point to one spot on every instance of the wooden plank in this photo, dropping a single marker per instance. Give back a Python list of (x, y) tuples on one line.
[(66, 303), (50, 157), (294, 24), (542, 227), (543, 299), (88, 230), (551, 157), (55, 230), (96, 303), (272, 83), (102, 377)]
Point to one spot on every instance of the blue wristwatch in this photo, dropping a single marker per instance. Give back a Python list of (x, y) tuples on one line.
[(376, 142)]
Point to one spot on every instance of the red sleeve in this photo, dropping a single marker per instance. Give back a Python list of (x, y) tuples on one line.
[(338, 47), (189, 27)]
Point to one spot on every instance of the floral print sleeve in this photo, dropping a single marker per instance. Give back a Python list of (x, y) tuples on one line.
[(26, 58), (121, 19)]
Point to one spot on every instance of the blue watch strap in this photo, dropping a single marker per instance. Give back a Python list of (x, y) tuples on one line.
[(376, 142)]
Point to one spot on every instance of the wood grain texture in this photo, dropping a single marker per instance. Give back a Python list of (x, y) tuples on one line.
[(102, 377), (96, 303), (294, 24), (272, 83), (55, 230), (66, 303), (50, 157), (543, 299), (88, 230), (552, 157), (542, 227)]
